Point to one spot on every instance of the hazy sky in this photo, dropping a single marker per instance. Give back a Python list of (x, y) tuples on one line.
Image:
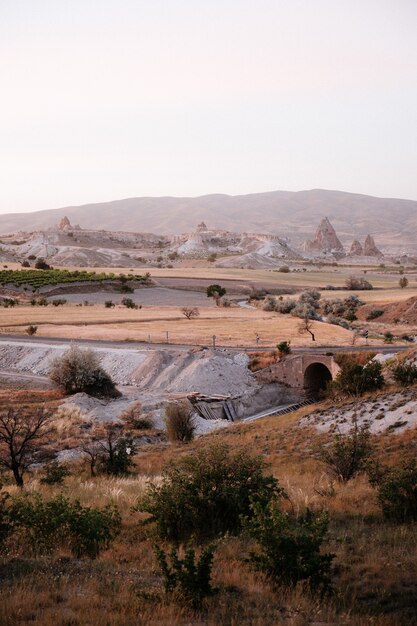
[(106, 99)]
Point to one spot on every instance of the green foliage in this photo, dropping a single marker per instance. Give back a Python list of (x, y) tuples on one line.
[(374, 313), (204, 494), (59, 301), (129, 303), (215, 291), (41, 264), (397, 490), (403, 282), (388, 337), (284, 269), (289, 547), (187, 580), (109, 304), (355, 379), (179, 422), (47, 524), (348, 454), (55, 474), (117, 456), (284, 347), (48, 277), (405, 374), (80, 371)]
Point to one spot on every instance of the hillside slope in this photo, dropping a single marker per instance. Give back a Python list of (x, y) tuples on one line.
[(293, 214)]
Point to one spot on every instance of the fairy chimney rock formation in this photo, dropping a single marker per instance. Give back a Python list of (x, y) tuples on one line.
[(325, 239), (64, 224), (356, 248), (369, 248)]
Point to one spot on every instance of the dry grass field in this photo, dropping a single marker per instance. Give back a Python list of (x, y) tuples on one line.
[(375, 561), (232, 326)]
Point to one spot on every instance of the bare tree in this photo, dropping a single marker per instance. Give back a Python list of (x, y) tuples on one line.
[(305, 326), (92, 450), (21, 436), (190, 312)]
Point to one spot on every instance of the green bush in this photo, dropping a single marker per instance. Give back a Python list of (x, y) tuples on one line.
[(284, 347), (80, 371), (355, 379), (129, 303), (397, 490), (117, 456), (45, 525), (204, 494), (187, 580), (55, 474), (288, 546), (405, 374), (348, 454), (374, 313)]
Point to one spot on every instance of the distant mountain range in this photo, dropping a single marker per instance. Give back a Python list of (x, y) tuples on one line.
[(393, 222)]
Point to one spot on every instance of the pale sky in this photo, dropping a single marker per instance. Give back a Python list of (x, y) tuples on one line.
[(108, 99)]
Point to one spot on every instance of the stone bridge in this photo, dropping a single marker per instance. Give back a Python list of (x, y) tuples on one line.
[(307, 373)]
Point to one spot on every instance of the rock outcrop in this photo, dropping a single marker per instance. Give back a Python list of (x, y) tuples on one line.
[(356, 248), (369, 247), (64, 224), (325, 240)]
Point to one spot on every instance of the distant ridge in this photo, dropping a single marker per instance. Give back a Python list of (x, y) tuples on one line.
[(294, 214)]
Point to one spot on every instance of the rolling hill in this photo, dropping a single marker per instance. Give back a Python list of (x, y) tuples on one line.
[(294, 214)]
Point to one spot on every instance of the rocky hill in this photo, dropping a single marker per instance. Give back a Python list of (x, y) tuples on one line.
[(289, 214)]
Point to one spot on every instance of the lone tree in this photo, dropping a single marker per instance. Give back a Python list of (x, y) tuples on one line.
[(21, 436), (190, 312), (80, 371), (216, 292), (403, 282), (305, 326)]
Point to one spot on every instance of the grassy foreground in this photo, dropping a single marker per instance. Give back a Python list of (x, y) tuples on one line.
[(375, 578)]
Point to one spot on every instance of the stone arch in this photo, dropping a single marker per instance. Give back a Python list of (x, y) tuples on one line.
[(316, 377)]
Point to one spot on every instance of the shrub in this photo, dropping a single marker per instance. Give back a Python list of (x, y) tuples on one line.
[(41, 264), (31, 330), (116, 456), (403, 282), (179, 422), (388, 337), (353, 283), (59, 301), (397, 490), (284, 347), (129, 304), (46, 525), (80, 371), (55, 474), (374, 313), (284, 269), (109, 304), (205, 494), (289, 547), (187, 580), (348, 454), (355, 379), (405, 374), (25, 264), (285, 306)]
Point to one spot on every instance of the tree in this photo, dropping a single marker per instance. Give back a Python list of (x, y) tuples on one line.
[(216, 292), (80, 371), (190, 312), (41, 264), (179, 422), (117, 451), (403, 282), (355, 379), (31, 330), (284, 347), (21, 436), (305, 326)]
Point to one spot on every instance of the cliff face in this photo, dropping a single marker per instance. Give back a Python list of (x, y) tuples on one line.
[(325, 240), (356, 248)]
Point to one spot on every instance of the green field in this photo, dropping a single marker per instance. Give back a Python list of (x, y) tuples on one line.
[(44, 278)]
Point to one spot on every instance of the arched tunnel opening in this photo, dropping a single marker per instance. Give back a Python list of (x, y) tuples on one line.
[(316, 378)]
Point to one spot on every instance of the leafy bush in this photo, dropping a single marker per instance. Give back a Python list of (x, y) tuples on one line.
[(179, 422), (388, 337), (289, 547), (116, 456), (405, 374), (187, 580), (355, 379), (46, 525), (59, 301), (80, 371), (374, 313), (397, 490), (41, 264), (285, 306), (204, 494), (348, 454), (284, 269), (353, 283), (31, 330), (25, 264), (284, 347), (55, 474), (129, 303), (109, 304)]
